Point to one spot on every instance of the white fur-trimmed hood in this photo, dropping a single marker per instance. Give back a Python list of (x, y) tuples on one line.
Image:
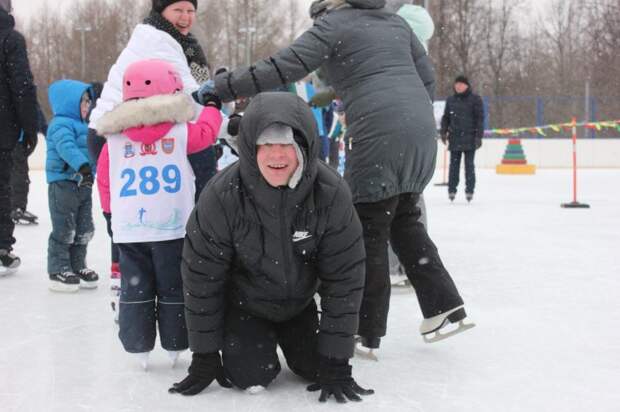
[(175, 108)]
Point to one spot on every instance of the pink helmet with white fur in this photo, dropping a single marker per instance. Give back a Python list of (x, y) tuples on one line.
[(146, 78)]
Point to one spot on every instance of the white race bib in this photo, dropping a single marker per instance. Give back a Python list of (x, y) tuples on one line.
[(151, 187)]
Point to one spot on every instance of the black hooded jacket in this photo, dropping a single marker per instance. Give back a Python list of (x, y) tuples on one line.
[(463, 121), (269, 250), (381, 71), (18, 96)]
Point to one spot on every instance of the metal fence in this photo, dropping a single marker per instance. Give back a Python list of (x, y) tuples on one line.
[(535, 111)]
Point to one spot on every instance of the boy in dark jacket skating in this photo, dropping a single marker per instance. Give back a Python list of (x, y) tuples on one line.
[(268, 233), (462, 128)]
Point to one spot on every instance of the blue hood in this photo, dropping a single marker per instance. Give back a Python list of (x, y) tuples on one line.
[(65, 97)]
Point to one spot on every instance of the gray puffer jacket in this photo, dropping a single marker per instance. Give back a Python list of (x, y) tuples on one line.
[(383, 75)]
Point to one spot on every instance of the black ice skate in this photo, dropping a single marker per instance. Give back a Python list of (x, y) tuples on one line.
[(88, 278), (452, 196), (469, 196), (365, 347), (8, 263), (67, 282), (24, 217), (430, 328)]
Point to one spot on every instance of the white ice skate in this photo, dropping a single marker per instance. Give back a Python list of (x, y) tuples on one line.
[(363, 351), (255, 390), (143, 358), (430, 328), (400, 281), (5, 271), (173, 355)]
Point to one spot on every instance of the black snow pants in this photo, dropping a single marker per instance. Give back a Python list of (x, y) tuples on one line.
[(455, 171), (249, 354), (6, 223), (204, 165), (397, 220), (151, 296), (115, 253), (20, 182)]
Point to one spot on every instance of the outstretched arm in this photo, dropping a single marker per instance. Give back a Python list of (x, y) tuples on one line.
[(289, 65)]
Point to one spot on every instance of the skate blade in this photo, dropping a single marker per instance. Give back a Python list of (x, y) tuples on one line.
[(366, 354), (438, 336), (7, 272), (26, 222), (88, 285), (403, 285), (62, 288)]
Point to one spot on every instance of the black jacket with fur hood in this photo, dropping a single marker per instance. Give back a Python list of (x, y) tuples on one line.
[(269, 250), (381, 71), (18, 95)]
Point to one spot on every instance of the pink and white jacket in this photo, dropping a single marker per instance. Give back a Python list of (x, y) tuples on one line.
[(148, 120)]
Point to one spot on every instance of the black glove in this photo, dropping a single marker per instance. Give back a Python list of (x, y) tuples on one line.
[(334, 378), (86, 178), (204, 369), (207, 96), (233, 124), (30, 142), (219, 151), (478, 142)]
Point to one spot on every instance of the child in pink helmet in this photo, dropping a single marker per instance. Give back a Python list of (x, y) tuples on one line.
[(146, 182)]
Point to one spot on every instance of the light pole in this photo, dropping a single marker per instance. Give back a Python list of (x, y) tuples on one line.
[(83, 30), (248, 36)]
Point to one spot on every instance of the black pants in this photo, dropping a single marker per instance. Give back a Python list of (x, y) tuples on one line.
[(6, 223), (20, 182), (204, 165), (397, 220), (151, 296), (250, 344), (113, 246), (455, 170)]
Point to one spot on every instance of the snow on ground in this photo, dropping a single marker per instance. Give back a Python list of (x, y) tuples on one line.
[(541, 282)]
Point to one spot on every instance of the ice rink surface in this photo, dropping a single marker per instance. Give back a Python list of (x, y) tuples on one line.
[(542, 283)]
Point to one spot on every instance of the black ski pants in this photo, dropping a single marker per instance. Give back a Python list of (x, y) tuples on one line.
[(397, 220), (20, 182), (6, 223), (250, 343), (455, 170), (151, 296), (115, 253)]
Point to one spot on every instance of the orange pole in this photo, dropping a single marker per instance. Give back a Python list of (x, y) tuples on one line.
[(574, 204), (574, 160)]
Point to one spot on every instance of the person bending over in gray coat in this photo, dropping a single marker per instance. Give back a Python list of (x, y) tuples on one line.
[(382, 73), (267, 234)]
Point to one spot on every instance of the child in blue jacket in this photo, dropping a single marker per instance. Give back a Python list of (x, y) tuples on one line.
[(70, 175)]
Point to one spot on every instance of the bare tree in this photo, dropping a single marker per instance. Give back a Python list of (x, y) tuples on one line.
[(500, 43)]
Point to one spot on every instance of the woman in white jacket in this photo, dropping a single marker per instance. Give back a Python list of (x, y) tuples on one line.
[(164, 35)]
